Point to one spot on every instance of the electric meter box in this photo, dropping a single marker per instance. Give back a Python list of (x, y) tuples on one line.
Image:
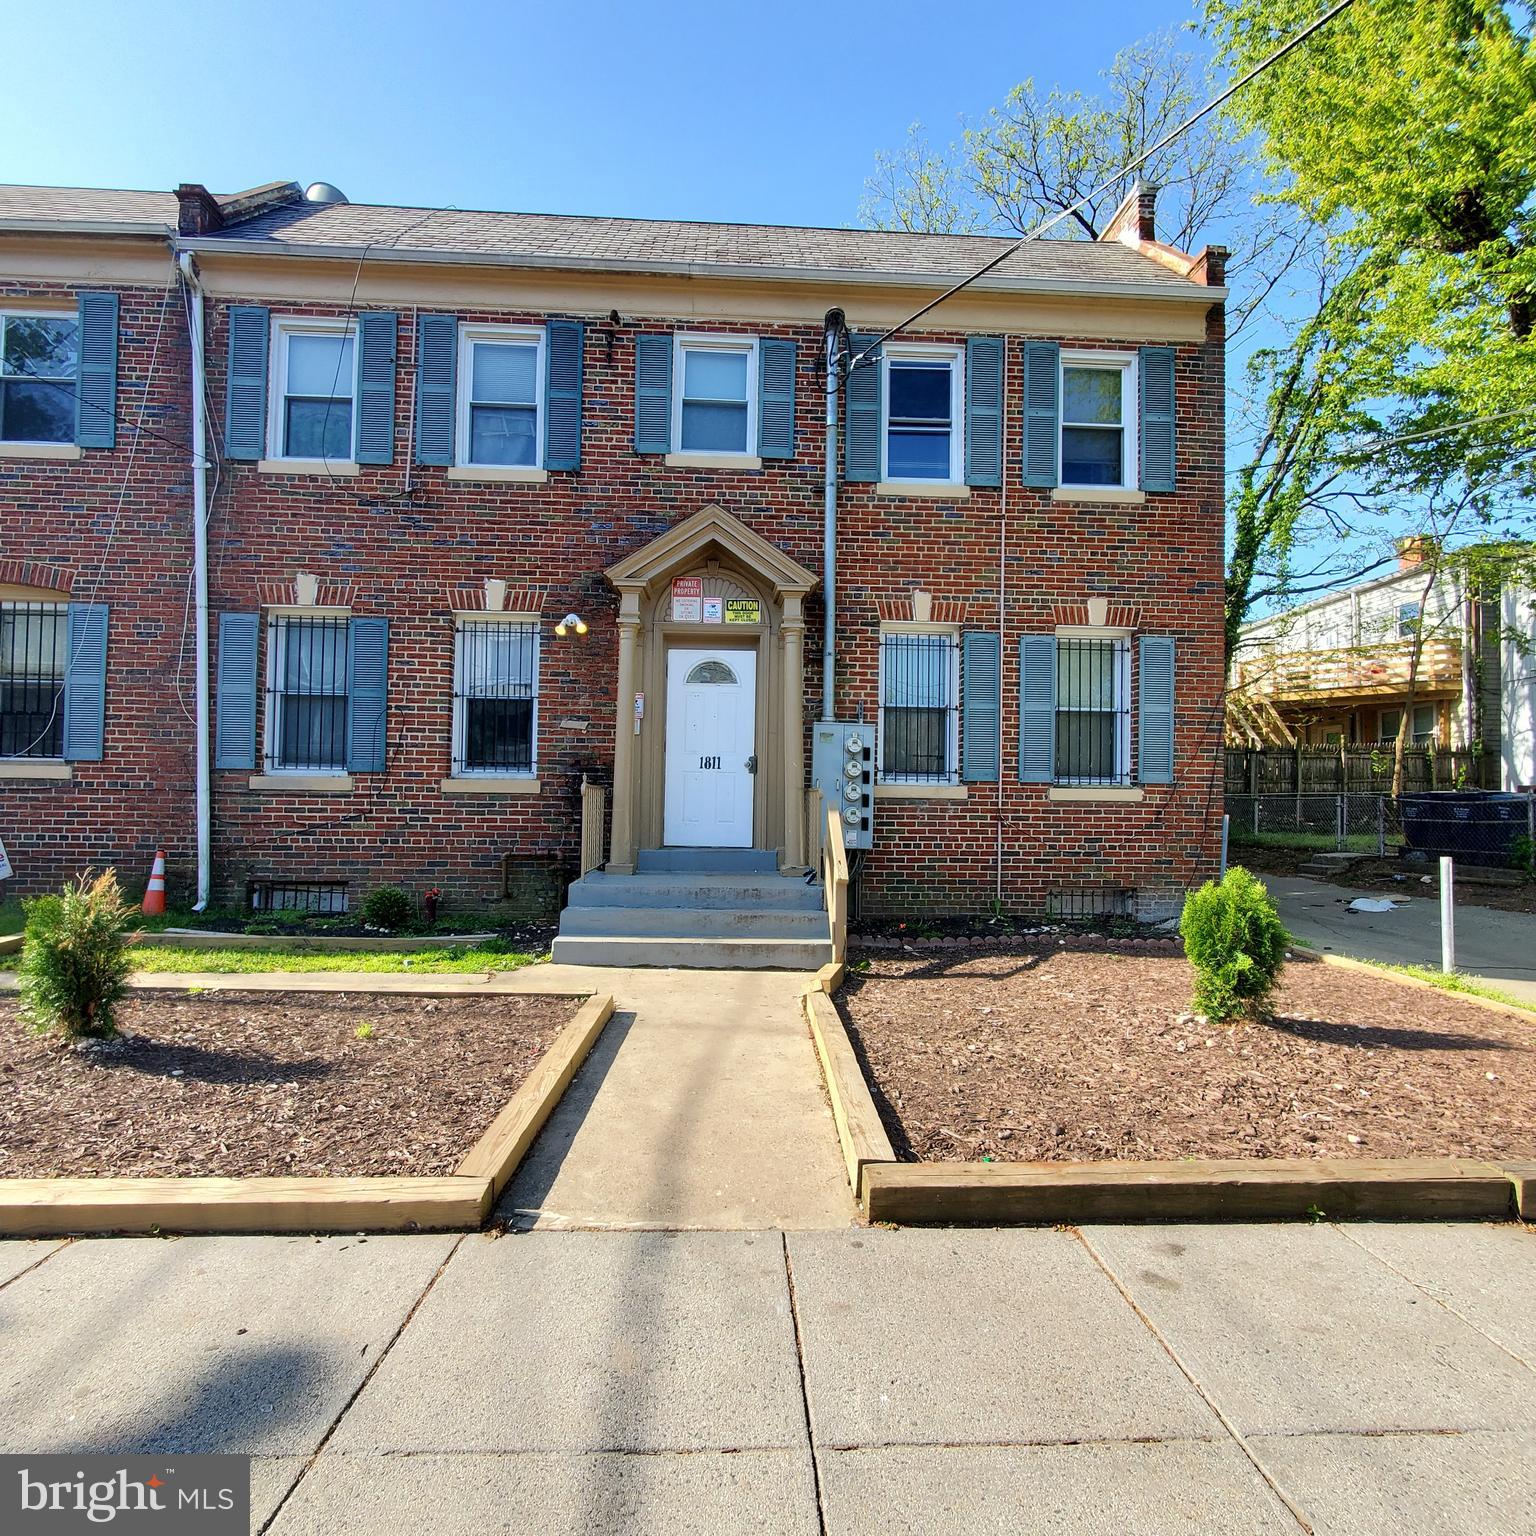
[(843, 769)]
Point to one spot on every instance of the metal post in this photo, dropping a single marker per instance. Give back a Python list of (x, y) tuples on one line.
[(1338, 824), (1447, 915), (1226, 822), (1381, 826)]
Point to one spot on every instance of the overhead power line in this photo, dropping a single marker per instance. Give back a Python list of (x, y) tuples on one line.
[(1108, 182)]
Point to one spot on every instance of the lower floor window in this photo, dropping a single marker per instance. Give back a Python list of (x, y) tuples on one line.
[(1093, 722), (307, 695), (32, 654), (1422, 732), (919, 708), (495, 702)]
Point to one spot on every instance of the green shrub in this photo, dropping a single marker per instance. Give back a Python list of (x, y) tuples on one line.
[(387, 907), (1236, 942), (1522, 854), (74, 962)]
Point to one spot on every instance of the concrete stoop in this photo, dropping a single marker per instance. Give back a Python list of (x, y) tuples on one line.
[(704, 908)]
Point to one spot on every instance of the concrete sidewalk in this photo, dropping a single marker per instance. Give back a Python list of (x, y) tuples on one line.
[(1493, 946), (1167, 1381)]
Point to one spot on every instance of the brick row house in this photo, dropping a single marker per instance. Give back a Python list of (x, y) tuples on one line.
[(498, 504)]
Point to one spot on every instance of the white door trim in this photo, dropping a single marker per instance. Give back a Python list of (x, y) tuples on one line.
[(711, 734)]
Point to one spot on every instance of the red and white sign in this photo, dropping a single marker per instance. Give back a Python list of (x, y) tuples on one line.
[(5, 864), (687, 599)]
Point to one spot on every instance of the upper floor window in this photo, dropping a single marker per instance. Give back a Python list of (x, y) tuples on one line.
[(715, 402), (924, 388), (38, 356), (1098, 420), (501, 390), (919, 707), (314, 384), (1408, 615), (32, 653)]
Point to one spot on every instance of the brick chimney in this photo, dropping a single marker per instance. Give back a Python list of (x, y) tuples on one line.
[(1414, 550), (1210, 266), (1136, 218), (198, 210)]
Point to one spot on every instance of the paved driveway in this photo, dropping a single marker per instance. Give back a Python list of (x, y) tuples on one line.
[(1499, 947), (1150, 1380)]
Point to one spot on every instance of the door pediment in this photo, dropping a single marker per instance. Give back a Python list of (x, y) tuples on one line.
[(712, 529)]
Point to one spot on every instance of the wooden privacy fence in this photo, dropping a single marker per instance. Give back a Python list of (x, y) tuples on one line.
[(1355, 770)]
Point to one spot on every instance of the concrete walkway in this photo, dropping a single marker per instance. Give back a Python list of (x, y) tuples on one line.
[(1493, 946), (1168, 1381)]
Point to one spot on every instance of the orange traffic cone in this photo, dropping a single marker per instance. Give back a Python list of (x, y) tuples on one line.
[(154, 892)]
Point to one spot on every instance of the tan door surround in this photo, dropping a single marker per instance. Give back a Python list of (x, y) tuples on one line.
[(733, 562)]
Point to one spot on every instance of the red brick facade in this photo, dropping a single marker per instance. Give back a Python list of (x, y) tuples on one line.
[(411, 544)]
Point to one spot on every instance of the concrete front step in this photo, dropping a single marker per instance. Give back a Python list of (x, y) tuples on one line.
[(707, 861), (695, 892), (694, 953), (629, 922)]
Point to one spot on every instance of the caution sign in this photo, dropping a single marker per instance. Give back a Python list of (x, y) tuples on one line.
[(743, 610)]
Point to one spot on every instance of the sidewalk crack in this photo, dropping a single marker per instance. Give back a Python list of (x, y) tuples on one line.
[(1237, 1437), (805, 1396)]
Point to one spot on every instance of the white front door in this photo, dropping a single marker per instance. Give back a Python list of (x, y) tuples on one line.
[(711, 737)]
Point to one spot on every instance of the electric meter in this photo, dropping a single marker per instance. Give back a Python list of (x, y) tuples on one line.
[(854, 768), (854, 743), (851, 815), (843, 769), (852, 791)]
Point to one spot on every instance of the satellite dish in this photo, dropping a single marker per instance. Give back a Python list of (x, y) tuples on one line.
[(323, 192)]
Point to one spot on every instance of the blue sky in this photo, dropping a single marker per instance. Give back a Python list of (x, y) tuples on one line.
[(672, 108)]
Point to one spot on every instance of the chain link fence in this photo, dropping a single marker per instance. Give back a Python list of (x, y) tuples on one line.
[(1477, 827)]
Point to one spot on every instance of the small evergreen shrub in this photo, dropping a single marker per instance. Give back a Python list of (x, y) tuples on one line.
[(74, 960), (387, 907), (1236, 942)]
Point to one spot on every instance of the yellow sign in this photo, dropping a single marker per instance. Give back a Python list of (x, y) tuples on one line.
[(743, 610)]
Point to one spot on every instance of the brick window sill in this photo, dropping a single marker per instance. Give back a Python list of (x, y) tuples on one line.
[(922, 791), (1099, 495), (743, 461), (39, 451), (40, 769), (933, 490), (491, 784), (1115, 794), (301, 783), (337, 469), (498, 474)]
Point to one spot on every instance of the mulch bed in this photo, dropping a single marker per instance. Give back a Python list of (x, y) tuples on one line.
[(251, 1083), (1077, 1055)]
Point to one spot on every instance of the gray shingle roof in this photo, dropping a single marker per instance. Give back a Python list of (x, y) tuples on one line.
[(526, 237)]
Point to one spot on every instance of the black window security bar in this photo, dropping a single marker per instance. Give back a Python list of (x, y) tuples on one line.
[(919, 709), (307, 695), (1080, 904), (495, 695), (321, 898), (32, 652), (1092, 712)]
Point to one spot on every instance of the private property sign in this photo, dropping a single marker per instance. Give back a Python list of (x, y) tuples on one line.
[(687, 599), (5, 865)]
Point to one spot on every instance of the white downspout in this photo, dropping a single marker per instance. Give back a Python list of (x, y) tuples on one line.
[(200, 580)]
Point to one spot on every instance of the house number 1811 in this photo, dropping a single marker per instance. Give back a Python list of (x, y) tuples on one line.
[(709, 762)]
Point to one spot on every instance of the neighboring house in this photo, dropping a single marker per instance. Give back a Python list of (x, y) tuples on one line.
[(1335, 671), (436, 434)]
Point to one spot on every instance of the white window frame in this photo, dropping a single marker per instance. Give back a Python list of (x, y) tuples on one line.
[(685, 342), (521, 335), (459, 769), (68, 382), (926, 351), (61, 611), (1409, 622), (275, 625), (1122, 704), (284, 327), (1130, 414), (951, 775)]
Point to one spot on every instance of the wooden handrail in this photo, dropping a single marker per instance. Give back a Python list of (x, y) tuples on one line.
[(834, 855), (594, 801)]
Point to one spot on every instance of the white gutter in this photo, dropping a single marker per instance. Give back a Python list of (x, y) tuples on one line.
[(1178, 289), (200, 578)]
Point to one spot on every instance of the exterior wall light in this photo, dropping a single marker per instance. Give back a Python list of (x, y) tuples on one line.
[(568, 623)]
